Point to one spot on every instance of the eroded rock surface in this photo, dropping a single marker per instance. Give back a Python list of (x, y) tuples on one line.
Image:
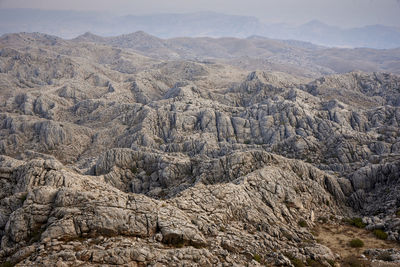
[(112, 157)]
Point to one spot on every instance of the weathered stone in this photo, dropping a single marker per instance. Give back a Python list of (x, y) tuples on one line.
[(130, 160)]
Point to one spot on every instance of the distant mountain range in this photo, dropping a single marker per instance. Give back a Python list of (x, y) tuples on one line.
[(252, 53), (69, 24)]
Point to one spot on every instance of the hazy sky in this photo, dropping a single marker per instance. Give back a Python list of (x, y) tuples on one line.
[(345, 13)]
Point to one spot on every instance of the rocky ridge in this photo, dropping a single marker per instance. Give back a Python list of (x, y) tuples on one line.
[(257, 52), (113, 157)]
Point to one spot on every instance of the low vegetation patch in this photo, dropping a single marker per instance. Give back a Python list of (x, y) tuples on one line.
[(357, 222), (257, 258), (352, 261), (380, 234), (356, 243), (6, 264), (23, 197), (302, 223), (134, 170), (295, 261), (35, 235), (331, 262), (179, 244)]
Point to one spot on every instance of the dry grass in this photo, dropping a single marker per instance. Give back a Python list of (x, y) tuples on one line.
[(338, 237)]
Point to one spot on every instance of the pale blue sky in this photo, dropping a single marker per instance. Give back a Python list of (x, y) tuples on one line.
[(345, 13)]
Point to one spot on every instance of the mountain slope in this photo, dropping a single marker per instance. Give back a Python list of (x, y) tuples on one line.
[(258, 53), (109, 157)]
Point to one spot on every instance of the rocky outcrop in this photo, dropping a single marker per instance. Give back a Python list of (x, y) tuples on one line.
[(55, 208), (109, 157)]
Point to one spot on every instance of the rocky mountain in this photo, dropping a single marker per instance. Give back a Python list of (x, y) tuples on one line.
[(69, 24), (115, 152), (293, 57), (372, 36)]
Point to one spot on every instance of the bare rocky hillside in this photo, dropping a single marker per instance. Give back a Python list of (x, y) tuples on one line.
[(297, 58), (140, 151)]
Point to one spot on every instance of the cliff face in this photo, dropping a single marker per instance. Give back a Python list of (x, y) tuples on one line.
[(112, 157)]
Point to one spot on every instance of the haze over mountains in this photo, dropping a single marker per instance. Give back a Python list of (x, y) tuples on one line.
[(69, 24)]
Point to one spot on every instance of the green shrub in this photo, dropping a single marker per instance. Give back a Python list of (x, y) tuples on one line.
[(356, 243), (35, 235), (352, 261), (247, 142), (314, 233), (398, 213), (23, 197), (6, 264), (380, 234), (296, 262), (357, 222), (257, 258), (331, 262), (179, 244), (302, 223)]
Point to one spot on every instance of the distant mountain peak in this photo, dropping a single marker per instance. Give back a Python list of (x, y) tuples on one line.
[(31, 37), (317, 24), (140, 33), (88, 34), (89, 37), (69, 24)]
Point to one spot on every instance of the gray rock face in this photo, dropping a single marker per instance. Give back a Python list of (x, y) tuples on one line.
[(384, 255), (111, 158), (56, 203)]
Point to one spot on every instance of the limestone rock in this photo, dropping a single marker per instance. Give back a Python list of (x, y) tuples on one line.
[(109, 157)]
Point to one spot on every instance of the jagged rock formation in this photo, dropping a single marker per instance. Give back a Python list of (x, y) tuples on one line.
[(50, 202), (112, 157)]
